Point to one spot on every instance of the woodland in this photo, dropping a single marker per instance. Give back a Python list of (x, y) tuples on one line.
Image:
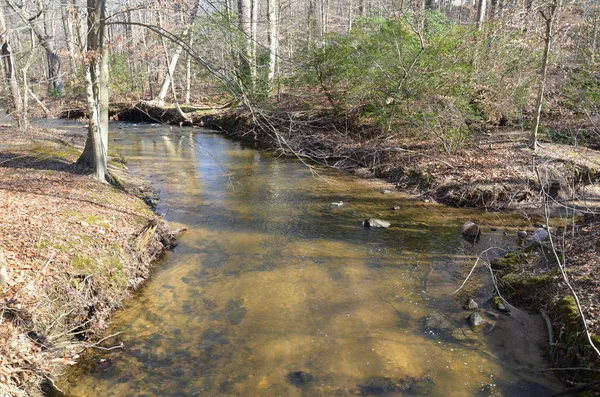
[(461, 101), (440, 70)]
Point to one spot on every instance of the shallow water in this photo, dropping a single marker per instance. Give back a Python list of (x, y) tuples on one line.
[(271, 292)]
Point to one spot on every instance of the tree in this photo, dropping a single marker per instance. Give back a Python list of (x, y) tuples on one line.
[(175, 58), (46, 38), (273, 36), (550, 15), (96, 146), (9, 71), (481, 10)]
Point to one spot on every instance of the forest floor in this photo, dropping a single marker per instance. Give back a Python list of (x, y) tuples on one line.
[(72, 249)]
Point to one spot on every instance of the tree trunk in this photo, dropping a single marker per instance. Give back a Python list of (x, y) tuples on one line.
[(188, 71), (67, 20), (481, 10), (550, 15), (175, 58), (244, 61), (253, 43), (594, 41), (11, 77), (96, 146), (273, 34)]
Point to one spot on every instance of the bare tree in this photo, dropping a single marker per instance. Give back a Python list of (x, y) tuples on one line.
[(481, 11), (46, 38), (273, 37), (10, 73), (175, 58), (550, 15)]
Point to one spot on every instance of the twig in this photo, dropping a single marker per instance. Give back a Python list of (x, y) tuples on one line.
[(472, 270), (577, 389), (95, 345), (561, 266)]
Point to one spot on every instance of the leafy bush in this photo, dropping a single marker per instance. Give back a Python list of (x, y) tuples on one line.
[(381, 73)]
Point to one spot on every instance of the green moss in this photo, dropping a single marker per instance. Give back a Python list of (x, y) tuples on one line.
[(596, 340), (66, 153), (497, 301), (113, 270), (82, 263), (567, 307), (527, 280), (511, 261)]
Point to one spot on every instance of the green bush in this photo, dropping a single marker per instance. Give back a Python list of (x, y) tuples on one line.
[(380, 72)]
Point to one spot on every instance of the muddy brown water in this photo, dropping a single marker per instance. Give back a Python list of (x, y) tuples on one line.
[(274, 292)]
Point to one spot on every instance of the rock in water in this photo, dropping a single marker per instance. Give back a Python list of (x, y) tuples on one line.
[(471, 229), (376, 386), (475, 320), (299, 378), (375, 223), (499, 304), (471, 305), (437, 322)]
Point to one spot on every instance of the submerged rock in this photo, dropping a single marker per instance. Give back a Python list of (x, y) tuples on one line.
[(421, 387), (299, 378), (437, 322), (234, 312), (475, 320), (376, 386), (376, 223)]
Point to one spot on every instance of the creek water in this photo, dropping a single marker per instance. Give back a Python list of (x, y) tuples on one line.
[(275, 292)]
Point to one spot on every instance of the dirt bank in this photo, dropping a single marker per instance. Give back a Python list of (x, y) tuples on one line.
[(72, 250)]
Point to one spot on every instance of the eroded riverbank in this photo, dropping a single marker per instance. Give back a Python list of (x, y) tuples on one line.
[(71, 250)]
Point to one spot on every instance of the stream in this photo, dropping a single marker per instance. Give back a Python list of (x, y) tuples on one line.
[(274, 291)]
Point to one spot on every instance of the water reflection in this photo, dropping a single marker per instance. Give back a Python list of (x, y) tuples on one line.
[(272, 292)]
